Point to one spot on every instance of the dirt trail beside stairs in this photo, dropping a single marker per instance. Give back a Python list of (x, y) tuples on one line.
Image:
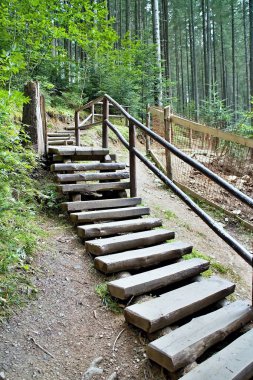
[(60, 334)]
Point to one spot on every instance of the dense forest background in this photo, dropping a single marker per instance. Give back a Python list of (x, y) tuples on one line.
[(196, 55)]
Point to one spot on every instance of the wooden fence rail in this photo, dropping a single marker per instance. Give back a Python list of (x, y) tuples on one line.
[(215, 147)]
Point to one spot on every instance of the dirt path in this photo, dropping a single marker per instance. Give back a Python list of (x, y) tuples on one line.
[(58, 335), (68, 321)]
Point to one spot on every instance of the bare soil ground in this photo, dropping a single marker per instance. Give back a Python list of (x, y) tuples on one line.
[(60, 333)]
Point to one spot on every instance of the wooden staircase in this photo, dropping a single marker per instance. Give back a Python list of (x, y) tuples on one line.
[(122, 237)]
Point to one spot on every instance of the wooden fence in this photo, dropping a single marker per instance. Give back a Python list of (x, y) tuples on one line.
[(227, 154)]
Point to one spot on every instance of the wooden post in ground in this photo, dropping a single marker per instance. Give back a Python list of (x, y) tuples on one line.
[(92, 113), (148, 126), (126, 120), (77, 130), (167, 126), (32, 119), (44, 119), (190, 138), (132, 160), (105, 127)]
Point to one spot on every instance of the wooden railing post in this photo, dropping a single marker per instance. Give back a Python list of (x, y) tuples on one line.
[(127, 122), (167, 126), (148, 126), (77, 130), (132, 160), (105, 127), (92, 113)]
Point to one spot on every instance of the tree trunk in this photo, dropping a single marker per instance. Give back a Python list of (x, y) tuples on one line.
[(165, 38), (251, 52), (128, 15), (234, 106), (32, 118), (195, 95), (157, 42), (246, 55)]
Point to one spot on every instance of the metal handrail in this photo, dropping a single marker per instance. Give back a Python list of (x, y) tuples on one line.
[(133, 153)]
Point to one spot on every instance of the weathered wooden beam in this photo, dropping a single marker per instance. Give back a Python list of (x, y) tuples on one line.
[(85, 167), (156, 279), (87, 188), (113, 214), (234, 362), (130, 241), (100, 204), (118, 227), (70, 178), (187, 343), (141, 258), (170, 307)]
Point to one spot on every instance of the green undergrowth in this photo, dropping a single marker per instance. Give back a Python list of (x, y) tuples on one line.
[(215, 266), (103, 292), (23, 202)]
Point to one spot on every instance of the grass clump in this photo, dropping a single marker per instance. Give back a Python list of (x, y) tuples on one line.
[(169, 214), (103, 292), (215, 267)]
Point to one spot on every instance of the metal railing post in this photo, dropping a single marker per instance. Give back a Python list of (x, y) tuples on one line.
[(77, 130), (132, 159), (105, 128)]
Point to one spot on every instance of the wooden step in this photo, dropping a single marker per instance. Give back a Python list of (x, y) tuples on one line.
[(59, 134), (113, 228), (157, 278), (70, 178), (234, 362), (170, 307), (89, 188), (78, 151), (85, 167), (184, 345), (100, 204), (51, 144), (119, 243), (113, 214), (58, 138), (142, 258)]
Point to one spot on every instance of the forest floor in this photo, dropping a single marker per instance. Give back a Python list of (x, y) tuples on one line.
[(60, 333)]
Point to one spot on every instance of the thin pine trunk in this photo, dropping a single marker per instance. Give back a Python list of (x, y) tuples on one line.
[(157, 42)]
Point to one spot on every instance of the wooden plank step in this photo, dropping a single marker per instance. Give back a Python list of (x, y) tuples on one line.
[(78, 151), (170, 307), (142, 258), (89, 188), (113, 228), (157, 278), (68, 178), (184, 345), (100, 204), (58, 138), (85, 167), (114, 214), (234, 362), (59, 134), (51, 144), (119, 243), (76, 158)]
